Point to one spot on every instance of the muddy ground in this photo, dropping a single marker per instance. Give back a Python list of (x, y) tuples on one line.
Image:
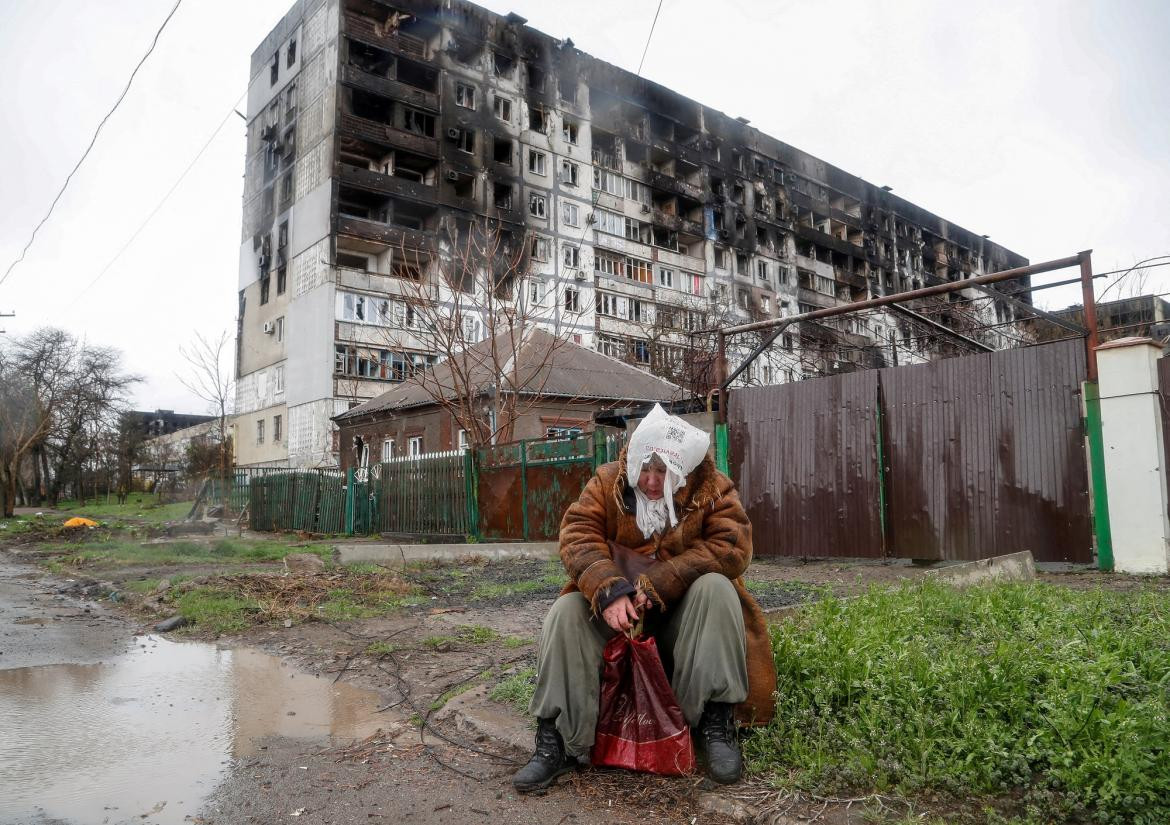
[(469, 625)]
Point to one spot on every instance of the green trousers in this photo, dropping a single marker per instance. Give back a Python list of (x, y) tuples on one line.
[(701, 642)]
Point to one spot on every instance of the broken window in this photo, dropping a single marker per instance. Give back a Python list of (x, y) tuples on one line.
[(280, 340), (639, 270), (720, 258), (570, 214), (762, 270), (569, 172), (418, 122), (465, 95), (571, 256), (503, 64), (464, 186), (264, 282), (536, 119), (292, 52), (281, 281), (290, 103), (535, 76), (567, 88), (274, 70), (371, 107), (417, 75), (352, 261), (570, 131), (502, 195), (537, 206), (741, 264), (536, 162), (641, 351), (502, 151), (572, 300), (286, 191), (503, 108), (466, 142), (539, 249)]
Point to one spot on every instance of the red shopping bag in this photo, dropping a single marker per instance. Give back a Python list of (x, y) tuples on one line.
[(640, 726)]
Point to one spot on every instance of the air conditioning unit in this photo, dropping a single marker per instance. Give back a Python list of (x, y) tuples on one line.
[(645, 208), (452, 174), (725, 234), (269, 327), (453, 133), (579, 275)]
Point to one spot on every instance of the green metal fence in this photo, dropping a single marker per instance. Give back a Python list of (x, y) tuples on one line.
[(309, 500)]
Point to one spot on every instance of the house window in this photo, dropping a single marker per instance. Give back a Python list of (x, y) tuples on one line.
[(462, 443), (572, 300), (570, 214), (536, 119), (264, 282), (537, 206), (260, 431), (742, 298), (536, 162), (278, 380), (466, 140), (640, 351), (569, 172), (766, 304), (721, 259), (569, 131), (464, 95), (274, 70), (572, 256), (782, 275), (639, 271), (503, 108), (608, 305), (609, 266), (414, 445), (277, 428), (613, 347), (292, 58), (634, 307), (666, 278), (692, 284), (387, 449), (741, 264), (280, 329), (281, 280), (533, 292), (610, 223), (540, 248), (562, 432), (762, 270), (418, 122)]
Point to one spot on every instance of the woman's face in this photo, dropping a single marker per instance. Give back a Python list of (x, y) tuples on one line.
[(652, 480)]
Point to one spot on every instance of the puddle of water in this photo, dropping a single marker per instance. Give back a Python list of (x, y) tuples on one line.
[(108, 743)]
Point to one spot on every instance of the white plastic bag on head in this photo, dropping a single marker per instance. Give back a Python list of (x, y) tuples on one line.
[(680, 445)]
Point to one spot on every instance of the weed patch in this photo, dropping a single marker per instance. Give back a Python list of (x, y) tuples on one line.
[(1053, 695), (217, 611), (516, 690)]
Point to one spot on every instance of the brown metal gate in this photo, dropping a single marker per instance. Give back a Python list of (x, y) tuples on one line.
[(964, 458)]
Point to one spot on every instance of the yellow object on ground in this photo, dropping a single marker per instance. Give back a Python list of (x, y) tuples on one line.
[(78, 521)]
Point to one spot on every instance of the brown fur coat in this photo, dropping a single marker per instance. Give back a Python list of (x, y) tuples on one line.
[(713, 535)]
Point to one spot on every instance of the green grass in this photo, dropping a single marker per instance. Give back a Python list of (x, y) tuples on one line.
[(216, 611), (513, 642), (142, 507), (20, 524), (1055, 698), (516, 691), (476, 634), (435, 642), (380, 648), (121, 553)]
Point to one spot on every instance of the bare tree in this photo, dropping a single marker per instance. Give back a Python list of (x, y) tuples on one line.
[(475, 308), (213, 381), (22, 425)]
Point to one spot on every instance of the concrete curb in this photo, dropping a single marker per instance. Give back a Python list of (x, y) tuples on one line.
[(398, 555), (1012, 567)]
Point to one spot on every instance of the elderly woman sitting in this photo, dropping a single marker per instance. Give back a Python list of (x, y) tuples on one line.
[(685, 520)]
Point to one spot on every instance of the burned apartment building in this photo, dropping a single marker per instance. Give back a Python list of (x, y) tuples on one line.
[(376, 131)]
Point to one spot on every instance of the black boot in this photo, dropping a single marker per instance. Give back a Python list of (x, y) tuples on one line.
[(549, 761), (721, 742)]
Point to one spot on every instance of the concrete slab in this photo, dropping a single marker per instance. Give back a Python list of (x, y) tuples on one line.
[(1012, 567), (477, 715), (398, 555)]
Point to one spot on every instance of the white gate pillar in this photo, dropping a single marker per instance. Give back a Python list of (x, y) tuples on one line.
[(1135, 472)]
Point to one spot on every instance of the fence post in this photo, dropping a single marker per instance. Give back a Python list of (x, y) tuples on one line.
[(349, 501), (600, 452), (472, 492), (524, 485), (721, 459), (1091, 393)]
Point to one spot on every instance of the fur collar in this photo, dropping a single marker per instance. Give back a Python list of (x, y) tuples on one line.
[(701, 488)]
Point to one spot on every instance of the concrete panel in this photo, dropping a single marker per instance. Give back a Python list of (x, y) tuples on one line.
[(1012, 567), (310, 346), (310, 218)]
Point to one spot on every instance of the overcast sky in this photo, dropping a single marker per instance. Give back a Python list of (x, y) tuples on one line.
[(1043, 124)]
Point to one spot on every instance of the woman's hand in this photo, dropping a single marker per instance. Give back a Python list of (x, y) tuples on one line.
[(641, 600), (620, 615)]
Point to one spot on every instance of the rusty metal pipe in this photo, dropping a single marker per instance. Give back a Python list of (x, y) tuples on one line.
[(1090, 314)]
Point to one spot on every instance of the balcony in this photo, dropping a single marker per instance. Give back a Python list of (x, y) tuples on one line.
[(667, 183), (384, 233), (396, 89), (387, 184), (387, 134), (366, 30), (677, 223)]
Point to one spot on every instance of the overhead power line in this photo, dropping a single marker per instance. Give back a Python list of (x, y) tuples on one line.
[(647, 46), (92, 141), (159, 205)]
